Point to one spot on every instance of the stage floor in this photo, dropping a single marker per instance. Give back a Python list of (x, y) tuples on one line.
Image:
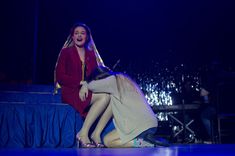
[(174, 150)]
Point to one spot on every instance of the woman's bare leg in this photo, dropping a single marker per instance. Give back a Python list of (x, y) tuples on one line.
[(101, 124), (113, 140), (99, 103)]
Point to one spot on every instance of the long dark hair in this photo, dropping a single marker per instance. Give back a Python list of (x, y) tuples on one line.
[(88, 31)]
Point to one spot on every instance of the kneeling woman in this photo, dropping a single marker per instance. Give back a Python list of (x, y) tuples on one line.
[(132, 115)]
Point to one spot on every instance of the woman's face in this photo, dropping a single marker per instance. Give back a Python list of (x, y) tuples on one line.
[(79, 36)]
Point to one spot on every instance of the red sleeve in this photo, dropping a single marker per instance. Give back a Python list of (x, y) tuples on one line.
[(61, 77)]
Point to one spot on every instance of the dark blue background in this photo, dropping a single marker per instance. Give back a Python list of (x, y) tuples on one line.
[(139, 33)]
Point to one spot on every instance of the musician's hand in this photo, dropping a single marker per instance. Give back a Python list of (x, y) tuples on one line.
[(204, 92), (83, 93)]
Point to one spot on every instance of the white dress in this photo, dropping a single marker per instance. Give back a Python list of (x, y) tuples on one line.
[(132, 115)]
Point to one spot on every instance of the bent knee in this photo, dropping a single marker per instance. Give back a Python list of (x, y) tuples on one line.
[(104, 98), (107, 97), (107, 141)]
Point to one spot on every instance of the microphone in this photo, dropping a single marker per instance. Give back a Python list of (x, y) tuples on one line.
[(115, 65)]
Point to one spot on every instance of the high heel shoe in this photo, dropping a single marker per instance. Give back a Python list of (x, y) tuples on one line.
[(98, 145), (81, 144)]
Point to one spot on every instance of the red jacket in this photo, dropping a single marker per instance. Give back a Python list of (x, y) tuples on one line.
[(69, 76)]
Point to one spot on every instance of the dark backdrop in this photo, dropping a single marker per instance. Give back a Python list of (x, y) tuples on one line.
[(139, 33)]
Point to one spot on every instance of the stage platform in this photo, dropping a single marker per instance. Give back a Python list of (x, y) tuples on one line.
[(175, 150), (32, 117)]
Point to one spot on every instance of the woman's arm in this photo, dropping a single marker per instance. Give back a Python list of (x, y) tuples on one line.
[(106, 85)]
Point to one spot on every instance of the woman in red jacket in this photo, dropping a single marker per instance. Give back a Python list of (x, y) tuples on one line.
[(76, 61)]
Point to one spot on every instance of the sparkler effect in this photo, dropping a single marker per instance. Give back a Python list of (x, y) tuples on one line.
[(159, 88)]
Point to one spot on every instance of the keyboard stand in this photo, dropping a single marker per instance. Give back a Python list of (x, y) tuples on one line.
[(183, 127)]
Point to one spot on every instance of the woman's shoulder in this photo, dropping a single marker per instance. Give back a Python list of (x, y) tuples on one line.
[(90, 52)]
